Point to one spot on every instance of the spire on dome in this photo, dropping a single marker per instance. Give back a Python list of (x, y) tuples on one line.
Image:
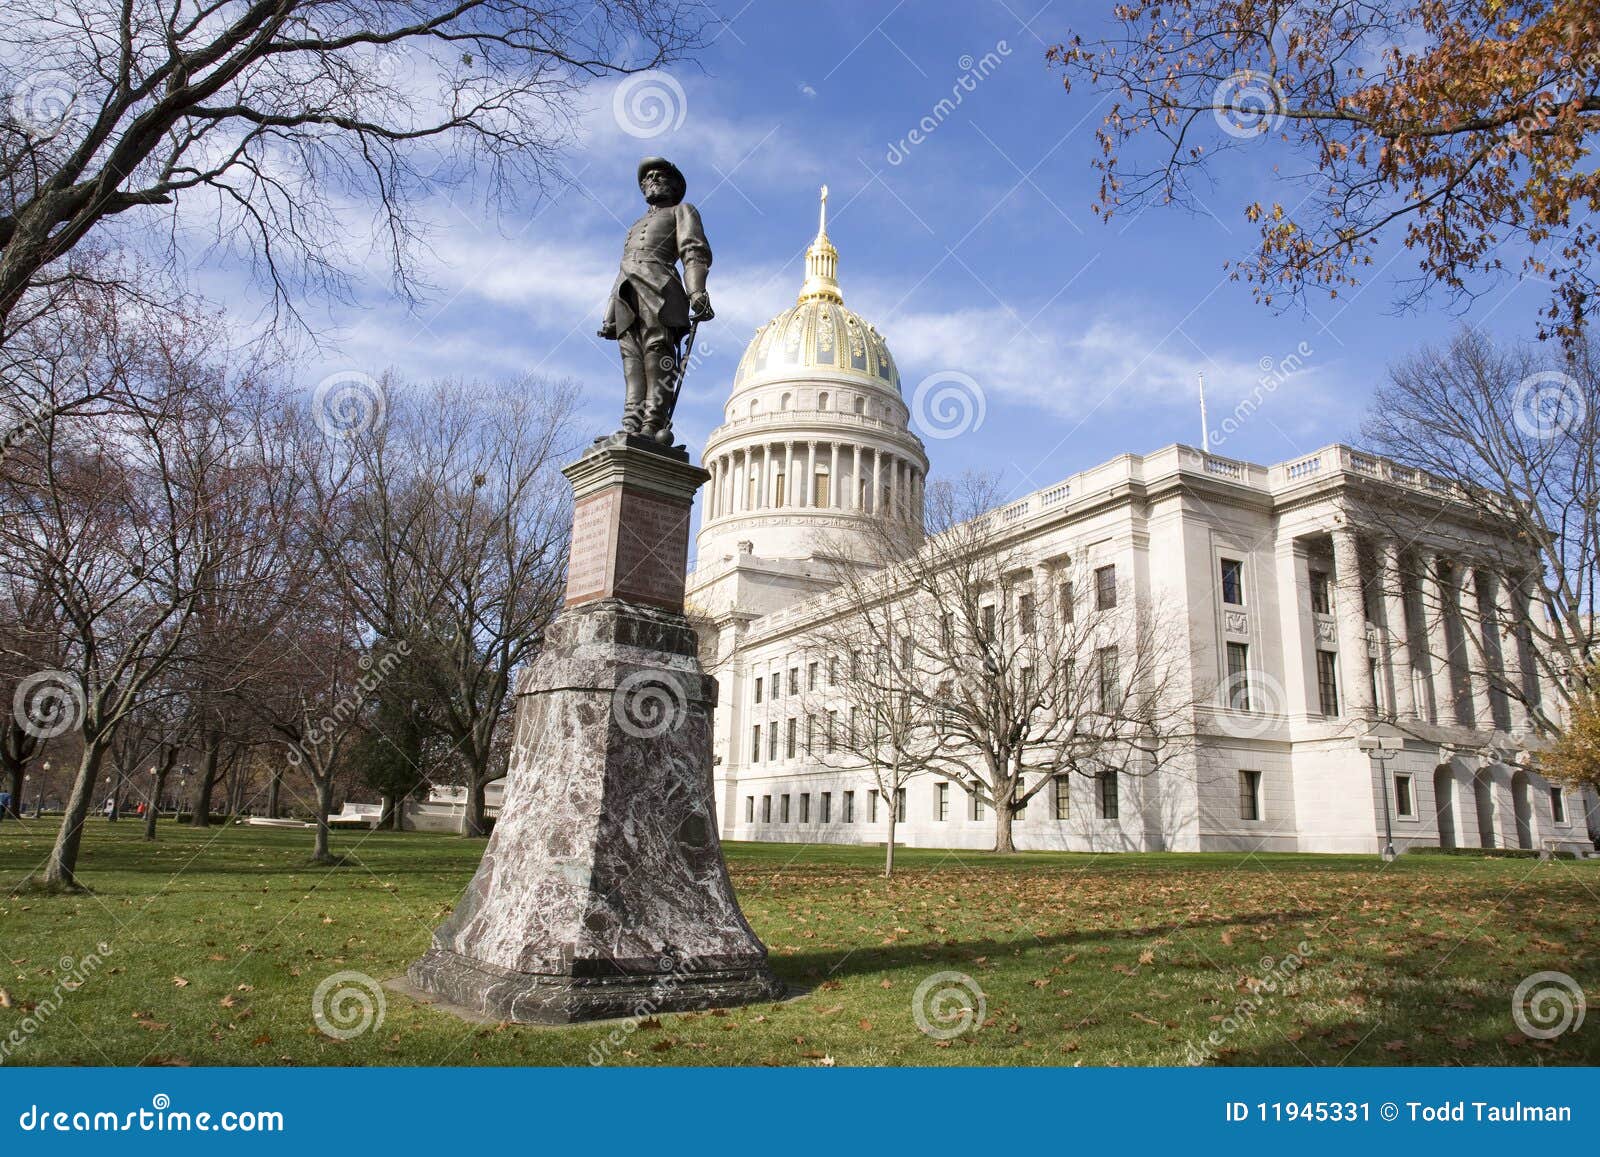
[(822, 262)]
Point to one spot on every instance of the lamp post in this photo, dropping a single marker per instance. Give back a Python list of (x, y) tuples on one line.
[(1381, 749)]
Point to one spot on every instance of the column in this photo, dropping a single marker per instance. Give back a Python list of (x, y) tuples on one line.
[(764, 491), (1351, 619), (1451, 577), (894, 486), (1483, 649), (1435, 602), (834, 500), (811, 474), (855, 479), (1397, 645), (1509, 606)]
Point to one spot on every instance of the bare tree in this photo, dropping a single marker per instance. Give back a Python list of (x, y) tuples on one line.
[(109, 519), (281, 111), (1510, 437), (1023, 668), (454, 542)]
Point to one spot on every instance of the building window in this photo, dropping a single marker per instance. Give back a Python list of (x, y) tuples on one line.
[(1372, 679), (1110, 680), (1249, 795), (1328, 682), (872, 807), (1405, 804), (811, 676), (1019, 799), (852, 736), (783, 808), (794, 680), (1558, 805), (1239, 676), (1105, 588), (755, 744), (1321, 593), (1233, 582), (848, 808), (772, 742), (974, 804), (822, 400), (749, 809), (900, 805), (833, 670), (805, 807), (1062, 787), (811, 735), (789, 738), (941, 801), (1065, 596), (826, 804), (766, 809), (833, 718), (777, 490), (1025, 621), (988, 621), (1110, 807), (777, 684), (758, 688), (819, 489)]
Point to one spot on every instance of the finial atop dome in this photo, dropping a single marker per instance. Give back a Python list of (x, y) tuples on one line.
[(822, 262)]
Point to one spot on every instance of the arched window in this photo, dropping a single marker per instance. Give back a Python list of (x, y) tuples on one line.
[(755, 406), (783, 402), (861, 405), (822, 400)]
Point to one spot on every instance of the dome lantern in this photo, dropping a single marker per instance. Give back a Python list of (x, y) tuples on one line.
[(822, 263)]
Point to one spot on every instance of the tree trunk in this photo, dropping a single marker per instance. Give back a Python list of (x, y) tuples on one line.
[(61, 870), (321, 855), (888, 851), (473, 823), (274, 788), (16, 787), (154, 805), (1005, 811), (115, 797), (208, 781), (389, 819)]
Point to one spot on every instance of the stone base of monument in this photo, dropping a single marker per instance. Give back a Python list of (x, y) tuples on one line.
[(603, 891)]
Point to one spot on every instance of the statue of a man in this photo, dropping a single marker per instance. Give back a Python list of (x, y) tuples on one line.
[(651, 307)]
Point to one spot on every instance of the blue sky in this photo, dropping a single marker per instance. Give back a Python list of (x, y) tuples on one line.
[(974, 251)]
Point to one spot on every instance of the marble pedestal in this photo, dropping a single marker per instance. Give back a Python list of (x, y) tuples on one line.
[(603, 891)]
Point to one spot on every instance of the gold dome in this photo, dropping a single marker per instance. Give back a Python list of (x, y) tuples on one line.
[(818, 333)]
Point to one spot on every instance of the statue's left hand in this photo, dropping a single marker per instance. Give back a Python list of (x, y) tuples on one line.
[(700, 306)]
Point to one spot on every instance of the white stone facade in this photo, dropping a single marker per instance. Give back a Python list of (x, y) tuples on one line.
[(1337, 618)]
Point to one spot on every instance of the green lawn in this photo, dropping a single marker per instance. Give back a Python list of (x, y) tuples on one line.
[(220, 938)]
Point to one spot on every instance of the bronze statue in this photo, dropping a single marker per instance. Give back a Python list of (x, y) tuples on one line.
[(651, 309)]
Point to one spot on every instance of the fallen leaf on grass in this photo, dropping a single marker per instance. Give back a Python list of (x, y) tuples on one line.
[(180, 982)]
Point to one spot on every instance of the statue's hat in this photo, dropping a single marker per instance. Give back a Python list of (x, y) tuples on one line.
[(664, 165)]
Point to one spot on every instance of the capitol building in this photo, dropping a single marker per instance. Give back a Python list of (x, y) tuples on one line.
[(1367, 712)]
